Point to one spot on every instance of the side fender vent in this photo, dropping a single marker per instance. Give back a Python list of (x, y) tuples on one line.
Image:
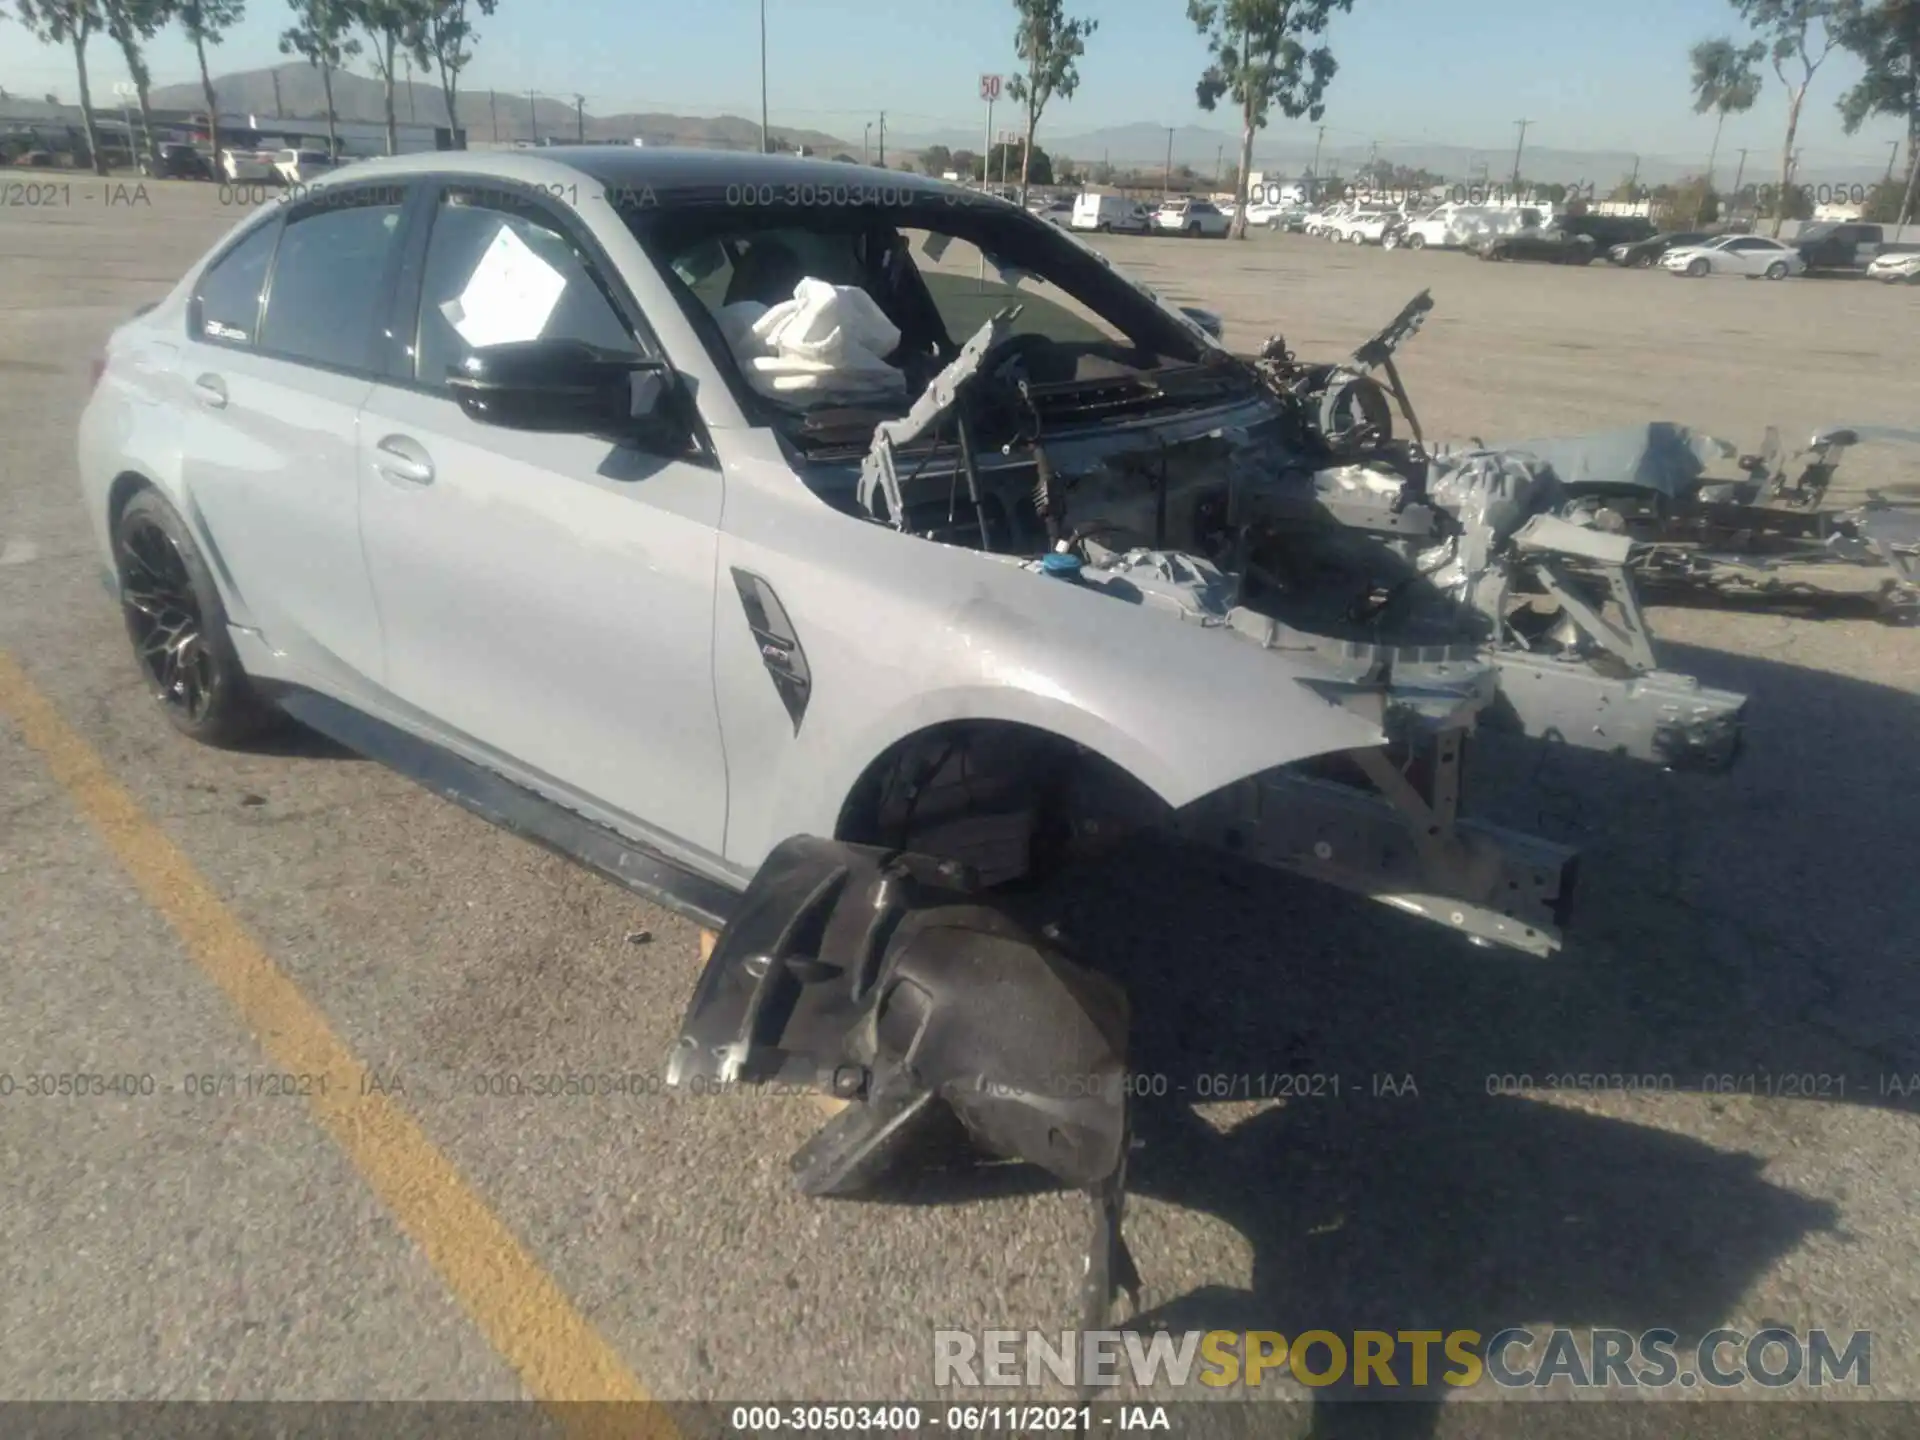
[(779, 646)]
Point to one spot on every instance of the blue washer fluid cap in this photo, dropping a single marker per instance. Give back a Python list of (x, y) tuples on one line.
[(1054, 562)]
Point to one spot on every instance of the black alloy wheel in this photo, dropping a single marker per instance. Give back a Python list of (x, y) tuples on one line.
[(179, 627)]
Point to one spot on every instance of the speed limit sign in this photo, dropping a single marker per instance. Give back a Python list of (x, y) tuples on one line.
[(989, 88)]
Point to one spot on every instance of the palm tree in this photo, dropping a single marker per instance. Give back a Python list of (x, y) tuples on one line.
[(1725, 82)]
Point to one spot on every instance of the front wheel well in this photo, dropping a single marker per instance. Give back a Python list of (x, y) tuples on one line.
[(126, 485), (1012, 800)]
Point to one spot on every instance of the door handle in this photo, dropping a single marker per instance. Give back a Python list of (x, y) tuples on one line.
[(399, 458), (212, 391)]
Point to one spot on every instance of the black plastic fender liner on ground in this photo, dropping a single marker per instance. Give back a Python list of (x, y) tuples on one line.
[(890, 981)]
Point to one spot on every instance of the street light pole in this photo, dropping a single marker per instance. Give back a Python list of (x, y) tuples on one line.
[(863, 141), (882, 156), (766, 138), (580, 118), (533, 118), (1516, 154), (1166, 181)]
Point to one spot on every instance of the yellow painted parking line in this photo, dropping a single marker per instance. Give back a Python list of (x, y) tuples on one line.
[(523, 1313)]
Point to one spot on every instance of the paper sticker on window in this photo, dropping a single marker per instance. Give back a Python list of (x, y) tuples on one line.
[(509, 296)]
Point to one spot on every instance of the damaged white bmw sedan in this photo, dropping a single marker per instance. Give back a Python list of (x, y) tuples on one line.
[(734, 523)]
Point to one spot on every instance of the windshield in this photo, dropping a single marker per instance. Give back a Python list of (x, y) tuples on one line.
[(816, 307)]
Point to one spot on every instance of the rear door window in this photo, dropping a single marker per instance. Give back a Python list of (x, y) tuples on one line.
[(330, 280), (226, 305)]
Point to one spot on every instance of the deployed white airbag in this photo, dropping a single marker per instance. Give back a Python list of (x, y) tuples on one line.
[(827, 338)]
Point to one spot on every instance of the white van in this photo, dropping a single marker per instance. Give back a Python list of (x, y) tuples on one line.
[(1111, 214)]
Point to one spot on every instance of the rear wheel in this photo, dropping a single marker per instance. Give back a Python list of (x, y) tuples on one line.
[(1777, 270), (178, 627), (1356, 238), (1644, 262), (1417, 242)]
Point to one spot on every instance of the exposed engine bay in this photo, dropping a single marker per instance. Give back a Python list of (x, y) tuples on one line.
[(1434, 586)]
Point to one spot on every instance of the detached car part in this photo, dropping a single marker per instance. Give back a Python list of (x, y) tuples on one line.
[(885, 980), (1752, 537)]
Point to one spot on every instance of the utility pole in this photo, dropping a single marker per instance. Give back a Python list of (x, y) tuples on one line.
[(1166, 183), (1319, 140), (413, 112), (1633, 180), (1219, 158), (1521, 146), (866, 134), (279, 110), (580, 118), (881, 156), (533, 118), (1737, 175), (766, 136), (493, 113), (1893, 154)]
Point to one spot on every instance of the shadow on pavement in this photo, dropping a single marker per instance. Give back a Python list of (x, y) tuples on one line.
[(1746, 933)]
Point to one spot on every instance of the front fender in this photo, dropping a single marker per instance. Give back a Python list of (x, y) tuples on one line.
[(1183, 710)]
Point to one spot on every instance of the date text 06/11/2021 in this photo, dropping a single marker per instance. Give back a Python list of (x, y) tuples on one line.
[(910, 1419)]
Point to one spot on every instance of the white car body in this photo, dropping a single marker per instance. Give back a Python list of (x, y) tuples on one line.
[(1899, 268), (1110, 213), (302, 167), (1747, 255), (1190, 217), (242, 166), (1369, 227)]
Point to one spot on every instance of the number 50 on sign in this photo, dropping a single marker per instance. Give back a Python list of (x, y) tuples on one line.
[(989, 88)]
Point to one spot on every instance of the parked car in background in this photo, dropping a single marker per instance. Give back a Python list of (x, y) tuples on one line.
[(249, 161), (1645, 254), (1749, 255), (302, 167), (1368, 227), (1110, 214), (1261, 215), (1190, 217), (1896, 267), (1844, 246), (1606, 231), (1055, 212), (1549, 243), (178, 161)]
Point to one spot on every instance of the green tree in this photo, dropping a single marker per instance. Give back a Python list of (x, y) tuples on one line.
[(1799, 35), (965, 164), (1691, 201), (1885, 202), (206, 23), (1260, 59), (394, 28), (936, 160), (1886, 40), (70, 22), (1004, 159), (320, 37), (1725, 82), (1050, 46), (131, 23), (445, 44)]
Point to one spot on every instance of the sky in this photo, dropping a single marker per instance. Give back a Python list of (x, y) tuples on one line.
[(1588, 76)]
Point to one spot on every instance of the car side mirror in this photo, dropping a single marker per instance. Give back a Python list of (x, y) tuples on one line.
[(560, 386)]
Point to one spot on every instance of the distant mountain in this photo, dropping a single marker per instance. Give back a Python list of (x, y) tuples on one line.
[(294, 91)]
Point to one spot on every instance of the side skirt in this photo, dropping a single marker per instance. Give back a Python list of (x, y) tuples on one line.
[(500, 801)]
